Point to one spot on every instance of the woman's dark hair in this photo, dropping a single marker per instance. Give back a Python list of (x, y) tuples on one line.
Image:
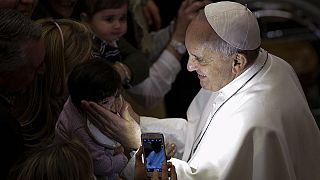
[(93, 80)]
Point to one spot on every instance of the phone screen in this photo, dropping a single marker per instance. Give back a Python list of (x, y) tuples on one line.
[(154, 154)]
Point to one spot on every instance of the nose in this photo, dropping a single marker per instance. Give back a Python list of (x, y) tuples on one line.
[(192, 64), (117, 24)]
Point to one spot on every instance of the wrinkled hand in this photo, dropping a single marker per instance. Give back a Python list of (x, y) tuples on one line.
[(123, 128), (152, 15), (187, 11), (128, 112)]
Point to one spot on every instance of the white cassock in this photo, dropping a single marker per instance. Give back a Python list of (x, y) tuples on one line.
[(259, 126)]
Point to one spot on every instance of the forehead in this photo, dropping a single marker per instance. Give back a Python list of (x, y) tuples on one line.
[(113, 12), (199, 34), (199, 31)]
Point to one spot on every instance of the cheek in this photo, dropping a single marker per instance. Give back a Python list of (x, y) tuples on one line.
[(118, 104), (124, 27), (99, 26)]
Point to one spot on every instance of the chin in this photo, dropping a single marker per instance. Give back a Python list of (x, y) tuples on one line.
[(209, 88)]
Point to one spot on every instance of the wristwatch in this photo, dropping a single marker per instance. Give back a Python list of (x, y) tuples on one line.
[(178, 46)]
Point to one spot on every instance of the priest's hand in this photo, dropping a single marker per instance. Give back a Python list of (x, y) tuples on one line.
[(122, 128)]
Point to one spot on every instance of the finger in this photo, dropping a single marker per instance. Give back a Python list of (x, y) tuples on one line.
[(85, 105), (196, 6), (155, 175), (173, 173), (184, 5), (139, 155), (99, 120), (147, 15), (170, 150), (101, 126), (157, 21), (125, 106), (121, 101), (189, 2), (124, 113), (155, 15), (164, 175), (94, 119), (104, 124), (104, 114), (128, 114)]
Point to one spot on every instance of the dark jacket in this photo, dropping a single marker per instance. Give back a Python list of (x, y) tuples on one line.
[(12, 147)]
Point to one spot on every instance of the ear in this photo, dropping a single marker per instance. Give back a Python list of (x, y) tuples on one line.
[(239, 64), (84, 17)]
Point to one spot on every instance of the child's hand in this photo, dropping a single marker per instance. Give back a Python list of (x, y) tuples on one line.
[(170, 150)]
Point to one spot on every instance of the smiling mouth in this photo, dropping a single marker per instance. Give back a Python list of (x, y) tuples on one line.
[(67, 4), (200, 76)]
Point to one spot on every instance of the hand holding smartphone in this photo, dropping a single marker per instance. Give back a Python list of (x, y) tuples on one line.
[(153, 152)]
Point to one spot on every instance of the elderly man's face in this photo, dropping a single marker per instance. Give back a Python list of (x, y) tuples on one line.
[(213, 69), (26, 7)]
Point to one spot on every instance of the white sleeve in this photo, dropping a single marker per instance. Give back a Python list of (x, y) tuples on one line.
[(159, 40), (173, 129), (161, 75)]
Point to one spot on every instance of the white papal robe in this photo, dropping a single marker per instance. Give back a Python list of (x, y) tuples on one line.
[(259, 126)]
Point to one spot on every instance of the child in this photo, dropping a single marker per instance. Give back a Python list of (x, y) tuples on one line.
[(107, 19), (93, 81)]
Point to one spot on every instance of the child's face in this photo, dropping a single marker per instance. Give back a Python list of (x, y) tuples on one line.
[(112, 103), (110, 24)]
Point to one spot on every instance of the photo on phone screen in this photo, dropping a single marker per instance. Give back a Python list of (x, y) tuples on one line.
[(154, 152)]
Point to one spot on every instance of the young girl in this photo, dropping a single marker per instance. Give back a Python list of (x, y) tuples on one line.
[(93, 81)]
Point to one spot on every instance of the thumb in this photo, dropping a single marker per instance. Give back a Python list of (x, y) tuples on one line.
[(155, 175), (124, 112), (139, 156)]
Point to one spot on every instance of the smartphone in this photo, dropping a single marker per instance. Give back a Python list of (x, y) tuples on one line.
[(153, 152)]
